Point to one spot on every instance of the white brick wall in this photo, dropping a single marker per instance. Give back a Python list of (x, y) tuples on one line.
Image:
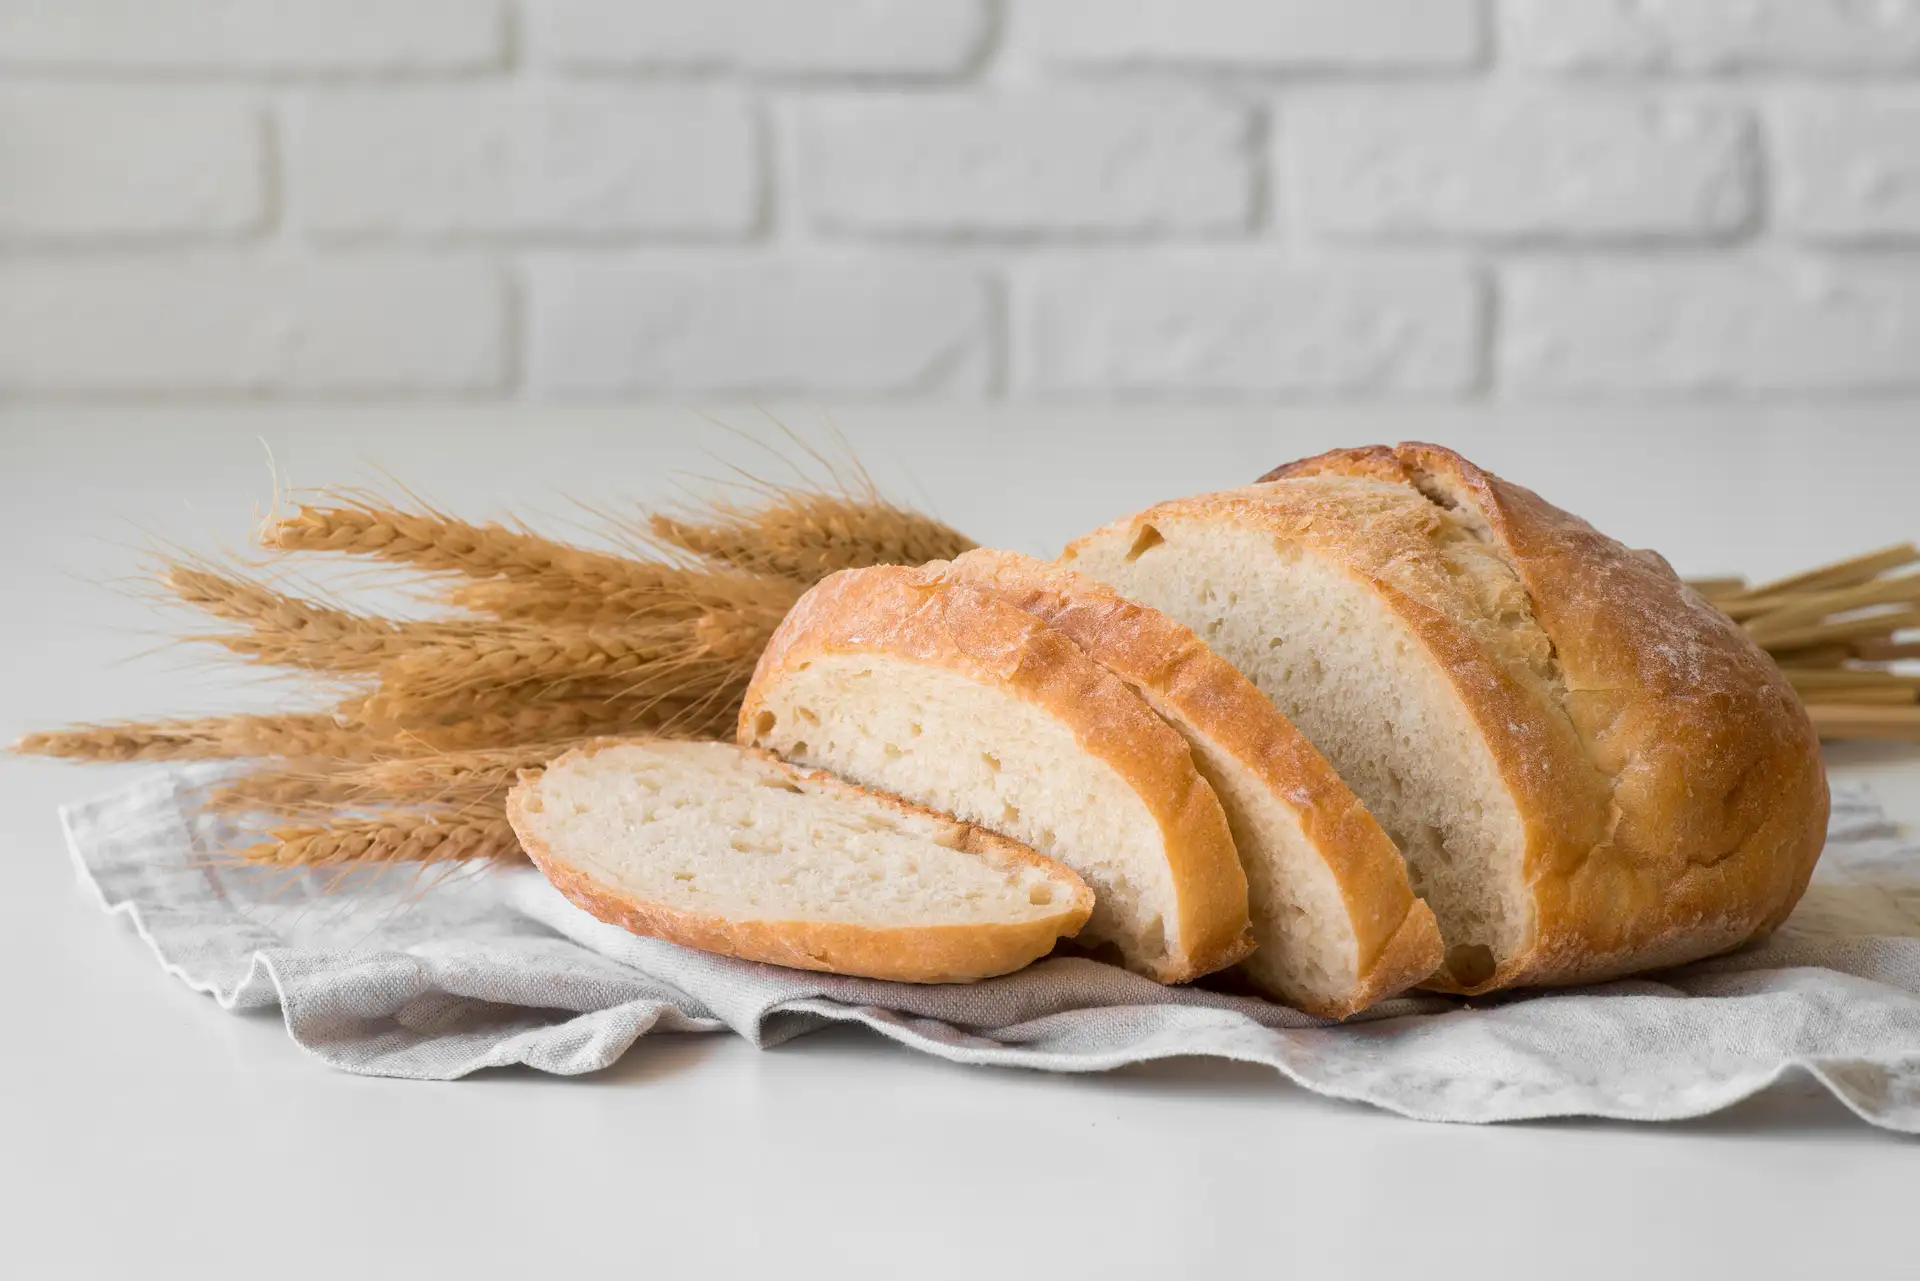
[(1338, 199), (253, 37), (891, 38), (79, 164), (1850, 165), (522, 160), (1276, 35), (1763, 326), (1546, 164), (1031, 161), (611, 327), (1712, 35), (1226, 323), (229, 325)]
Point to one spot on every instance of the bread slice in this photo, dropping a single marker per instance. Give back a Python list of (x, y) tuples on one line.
[(1588, 769), (733, 851), (1338, 927), (954, 699)]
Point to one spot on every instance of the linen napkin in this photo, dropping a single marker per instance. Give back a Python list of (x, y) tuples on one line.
[(434, 974)]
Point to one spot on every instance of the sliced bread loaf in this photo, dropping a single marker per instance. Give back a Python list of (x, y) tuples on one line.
[(1588, 769), (732, 851), (1338, 927), (954, 699)]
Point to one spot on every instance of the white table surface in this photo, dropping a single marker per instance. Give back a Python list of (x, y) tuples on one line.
[(145, 1132)]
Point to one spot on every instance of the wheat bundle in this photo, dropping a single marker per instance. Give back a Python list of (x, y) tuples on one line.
[(553, 644), (1835, 631)]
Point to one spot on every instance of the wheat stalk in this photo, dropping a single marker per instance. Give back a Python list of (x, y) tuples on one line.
[(805, 536), (524, 603), (405, 839), (494, 718), (288, 631), (326, 736), (205, 738), (293, 786), (466, 779), (483, 773), (664, 660), (548, 658), (677, 593), (434, 541), (243, 600), (464, 719)]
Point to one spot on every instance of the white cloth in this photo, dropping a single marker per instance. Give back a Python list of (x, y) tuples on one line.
[(386, 976)]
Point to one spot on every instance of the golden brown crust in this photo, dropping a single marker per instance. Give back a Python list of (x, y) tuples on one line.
[(1669, 780), (1396, 938), (911, 615), (909, 954), (1560, 796)]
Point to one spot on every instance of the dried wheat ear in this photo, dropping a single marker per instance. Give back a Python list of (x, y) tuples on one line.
[(1837, 633), (551, 644)]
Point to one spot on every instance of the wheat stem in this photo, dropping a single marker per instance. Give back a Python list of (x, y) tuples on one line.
[(657, 660), (204, 738), (805, 537), (408, 839), (283, 787), (499, 721), (465, 779), (292, 632), (437, 542), (485, 772), (677, 594), (244, 600)]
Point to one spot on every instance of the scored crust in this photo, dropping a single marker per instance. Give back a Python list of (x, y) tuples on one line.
[(1713, 805), (912, 616), (1396, 938), (908, 954), (1667, 779)]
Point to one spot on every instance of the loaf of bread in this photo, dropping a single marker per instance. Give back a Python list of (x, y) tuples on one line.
[(1588, 770), (954, 699), (1336, 924), (1378, 719), (731, 851)]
